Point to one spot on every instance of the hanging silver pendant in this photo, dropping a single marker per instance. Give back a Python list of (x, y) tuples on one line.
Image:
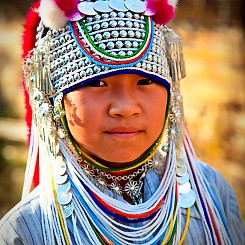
[(86, 8), (102, 6), (187, 200), (135, 6), (118, 5)]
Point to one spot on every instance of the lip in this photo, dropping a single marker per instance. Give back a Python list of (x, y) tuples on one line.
[(124, 132)]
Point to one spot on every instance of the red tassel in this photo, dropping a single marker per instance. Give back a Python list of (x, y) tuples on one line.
[(29, 38), (164, 11)]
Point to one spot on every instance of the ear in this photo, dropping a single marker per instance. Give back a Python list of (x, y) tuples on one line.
[(163, 9), (56, 13)]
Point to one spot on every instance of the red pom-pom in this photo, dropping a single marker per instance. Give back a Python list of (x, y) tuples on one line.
[(68, 7), (29, 39), (164, 12)]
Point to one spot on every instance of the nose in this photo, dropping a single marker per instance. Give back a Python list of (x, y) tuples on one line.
[(124, 104)]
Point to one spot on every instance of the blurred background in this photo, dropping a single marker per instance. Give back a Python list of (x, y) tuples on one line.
[(214, 90)]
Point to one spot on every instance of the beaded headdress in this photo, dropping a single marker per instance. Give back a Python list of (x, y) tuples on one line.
[(68, 44)]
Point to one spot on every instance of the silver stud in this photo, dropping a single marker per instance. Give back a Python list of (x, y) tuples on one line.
[(143, 65), (70, 79), (76, 76), (62, 40), (122, 53), (115, 34), (97, 69), (88, 62), (113, 14), (55, 33), (105, 16), (110, 45), (121, 23), (102, 46), (130, 52), (96, 27), (67, 37), (106, 35), (89, 19), (136, 16), (155, 58), (142, 17), (148, 67), (66, 59), (63, 72), (121, 15), (52, 45), (89, 28), (56, 43), (129, 23), (75, 66), (129, 15), (82, 74), (59, 52), (63, 50), (138, 65), (136, 25), (149, 57), (97, 17), (142, 26), (113, 53), (131, 33), (104, 25), (159, 70), (69, 47), (81, 63), (128, 44), (98, 37), (135, 44), (72, 57), (123, 33), (138, 34), (119, 44), (154, 68), (113, 23), (143, 34), (89, 71), (79, 54)]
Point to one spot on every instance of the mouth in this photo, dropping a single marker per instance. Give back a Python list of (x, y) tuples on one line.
[(124, 132)]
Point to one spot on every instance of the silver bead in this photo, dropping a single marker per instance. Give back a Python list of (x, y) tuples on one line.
[(154, 68), (136, 25), (129, 23), (105, 16), (59, 52), (97, 17), (62, 40), (131, 33), (67, 37), (89, 19), (128, 44), (136, 16), (143, 65), (97, 69), (98, 37), (104, 25), (102, 46), (119, 44), (110, 45), (74, 45), (122, 53), (63, 72), (113, 23), (138, 34), (121, 23), (82, 74), (121, 15), (69, 68), (52, 45), (142, 26), (75, 67), (135, 44), (149, 57), (129, 15), (155, 58), (96, 27), (130, 52), (56, 43), (142, 17), (70, 79), (106, 35), (159, 70), (63, 50), (123, 33), (89, 71), (76, 76), (148, 67), (72, 57), (55, 33), (79, 54), (89, 28), (88, 62), (69, 47), (113, 14), (138, 65), (115, 34), (143, 34), (66, 59), (113, 53), (81, 63)]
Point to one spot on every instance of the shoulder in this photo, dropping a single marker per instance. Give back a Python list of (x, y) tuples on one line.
[(22, 224), (226, 201)]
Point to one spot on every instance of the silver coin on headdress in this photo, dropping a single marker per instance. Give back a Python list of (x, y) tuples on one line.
[(102, 6), (135, 6), (118, 5), (86, 8)]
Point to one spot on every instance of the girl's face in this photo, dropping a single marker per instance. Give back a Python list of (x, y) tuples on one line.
[(117, 118)]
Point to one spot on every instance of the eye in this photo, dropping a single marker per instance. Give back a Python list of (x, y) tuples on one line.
[(97, 83), (145, 81)]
